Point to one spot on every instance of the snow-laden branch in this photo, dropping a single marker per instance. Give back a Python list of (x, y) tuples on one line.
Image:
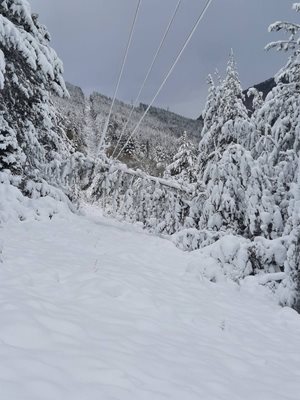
[(282, 45), (275, 277), (289, 27)]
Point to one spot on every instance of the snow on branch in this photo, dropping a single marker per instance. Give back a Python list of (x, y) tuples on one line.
[(284, 45), (289, 27), (34, 50)]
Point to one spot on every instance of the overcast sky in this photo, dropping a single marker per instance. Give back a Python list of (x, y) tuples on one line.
[(90, 36)]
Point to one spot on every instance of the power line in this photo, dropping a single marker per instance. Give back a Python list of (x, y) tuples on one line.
[(119, 78), (148, 73), (206, 7)]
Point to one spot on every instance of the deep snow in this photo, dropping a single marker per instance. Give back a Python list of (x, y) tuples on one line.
[(94, 309)]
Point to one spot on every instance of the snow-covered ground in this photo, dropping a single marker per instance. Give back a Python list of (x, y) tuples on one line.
[(94, 309)]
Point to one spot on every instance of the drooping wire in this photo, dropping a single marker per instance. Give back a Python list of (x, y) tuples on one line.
[(148, 74), (206, 7), (101, 142)]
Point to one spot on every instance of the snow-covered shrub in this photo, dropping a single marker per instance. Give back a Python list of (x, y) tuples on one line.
[(190, 239), (267, 255), (235, 258), (227, 257), (42, 201)]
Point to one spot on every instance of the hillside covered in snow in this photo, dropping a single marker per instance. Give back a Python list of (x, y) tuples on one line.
[(83, 118)]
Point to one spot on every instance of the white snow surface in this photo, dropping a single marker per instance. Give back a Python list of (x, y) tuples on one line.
[(95, 309)]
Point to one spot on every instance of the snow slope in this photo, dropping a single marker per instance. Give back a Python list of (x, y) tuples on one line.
[(92, 309)]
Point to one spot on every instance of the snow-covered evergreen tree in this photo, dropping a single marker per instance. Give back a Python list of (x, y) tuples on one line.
[(224, 165), (290, 295), (231, 104), (211, 107), (29, 71), (278, 120), (10, 153), (227, 181), (226, 119), (257, 99), (291, 284), (257, 103), (184, 162)]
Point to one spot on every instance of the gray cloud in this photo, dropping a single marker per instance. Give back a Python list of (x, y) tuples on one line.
[(90, 37)]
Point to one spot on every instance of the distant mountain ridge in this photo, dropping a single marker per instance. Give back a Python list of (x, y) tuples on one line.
[(264, 87)]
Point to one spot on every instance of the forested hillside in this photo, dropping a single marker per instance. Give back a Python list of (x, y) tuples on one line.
[(151, 150)]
